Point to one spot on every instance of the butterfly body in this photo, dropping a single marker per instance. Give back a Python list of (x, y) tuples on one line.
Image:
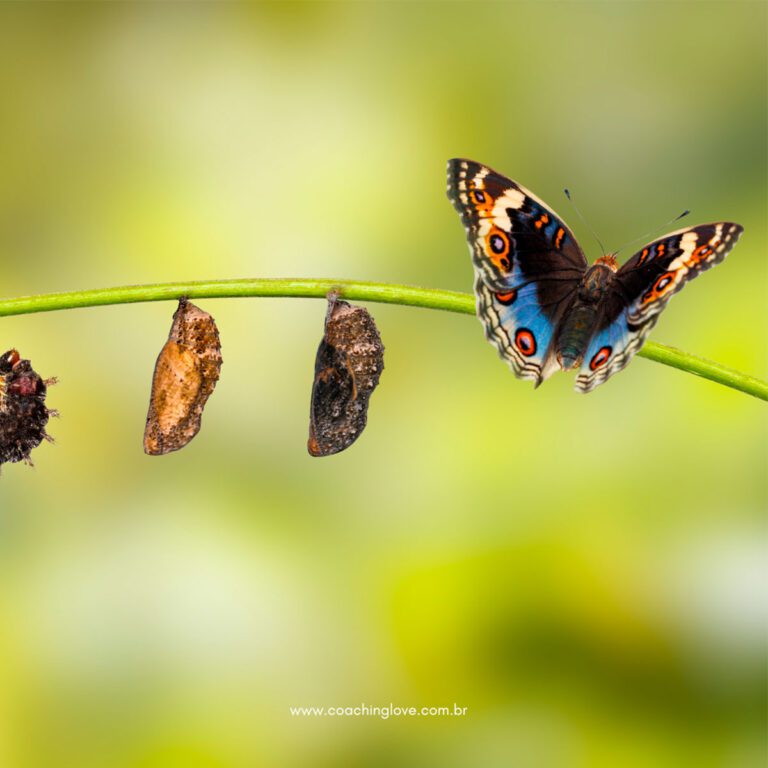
[(582, 317), (543, 307)]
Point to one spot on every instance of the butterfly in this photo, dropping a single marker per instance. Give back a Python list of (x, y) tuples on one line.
[(543, 306)]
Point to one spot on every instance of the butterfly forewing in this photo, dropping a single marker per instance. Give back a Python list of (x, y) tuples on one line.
[(513, 236), (660, 269), (527, 263)]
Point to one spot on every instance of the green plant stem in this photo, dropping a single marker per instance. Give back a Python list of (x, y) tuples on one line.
[(388, 293)]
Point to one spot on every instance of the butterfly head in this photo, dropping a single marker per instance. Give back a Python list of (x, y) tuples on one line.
[(609, 260)]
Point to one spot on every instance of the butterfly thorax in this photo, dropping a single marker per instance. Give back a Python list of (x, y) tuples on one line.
[(579, 322)]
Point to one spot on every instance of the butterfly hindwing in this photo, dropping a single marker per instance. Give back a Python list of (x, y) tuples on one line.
[(527, 263), (520, 322), (643, 287), (610, 349)]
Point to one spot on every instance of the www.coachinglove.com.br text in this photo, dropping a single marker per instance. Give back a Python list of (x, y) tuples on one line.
[(383, 712)]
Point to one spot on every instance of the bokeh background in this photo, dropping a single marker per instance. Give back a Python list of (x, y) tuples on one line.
[(586, 574)]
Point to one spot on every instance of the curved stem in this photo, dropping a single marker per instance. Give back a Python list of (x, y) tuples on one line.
[(389, 293)]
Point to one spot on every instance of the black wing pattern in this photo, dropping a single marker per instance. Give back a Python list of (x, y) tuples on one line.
[(527, 264), (642, 289)]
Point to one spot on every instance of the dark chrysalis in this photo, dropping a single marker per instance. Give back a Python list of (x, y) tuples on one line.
[(186, 372), (348, 365), (23, 414)]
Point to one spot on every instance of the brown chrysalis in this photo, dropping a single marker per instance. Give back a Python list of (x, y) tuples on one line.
[(348, 365), (23, 413), (186, 372)]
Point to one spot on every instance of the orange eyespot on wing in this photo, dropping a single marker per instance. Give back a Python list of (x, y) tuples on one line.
[(506, 298), (660, 287), (600, 358), (497, 249), (525, 342), (482, 200), (664, 281), (702, 253), (185, 375)]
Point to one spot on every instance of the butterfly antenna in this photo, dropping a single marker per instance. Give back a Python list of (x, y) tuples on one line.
[(655, 229), (584, 221)]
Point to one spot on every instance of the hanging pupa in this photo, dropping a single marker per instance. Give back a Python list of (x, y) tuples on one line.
[(186, 373), (23, 413), (348, 365)]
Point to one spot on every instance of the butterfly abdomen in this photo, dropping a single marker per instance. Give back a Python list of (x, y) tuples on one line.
[(580, 320), (574, 334)]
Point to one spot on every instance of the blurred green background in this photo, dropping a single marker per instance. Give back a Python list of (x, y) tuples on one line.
[(586, 574)]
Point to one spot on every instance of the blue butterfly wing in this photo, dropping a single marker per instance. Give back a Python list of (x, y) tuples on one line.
[(520, 327), (609, 351), (527, 264), (642, 289)]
